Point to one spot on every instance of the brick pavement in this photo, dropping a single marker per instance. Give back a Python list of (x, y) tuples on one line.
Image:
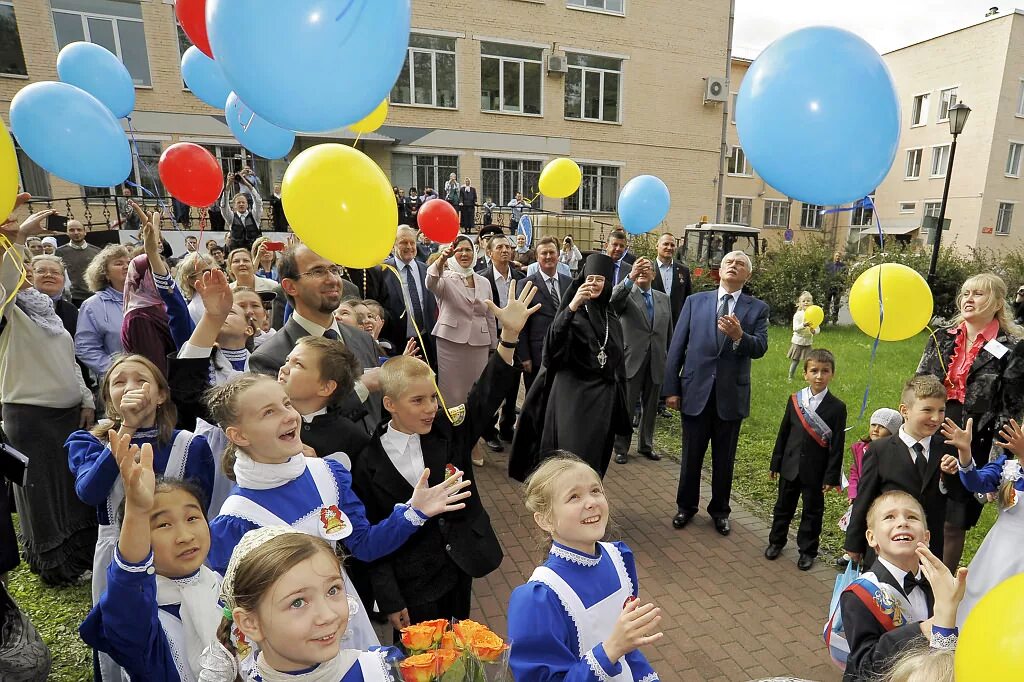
[(730, 615)]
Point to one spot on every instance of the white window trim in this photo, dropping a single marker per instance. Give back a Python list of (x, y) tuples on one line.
[(750, 217), (522, 76), (593, 53), (427, 151), (437, 33), (622, 91), (507, 41), (513, 156), (746, 164), (595, 10), (938, 108), (84, 16), (924, 114), (600, 162), (588, 162), (1020, 158), (1020, 100), (995, 228), (433, 72), (906, 163), (781, 202), (932, 160), (817, 212), (901, 204)]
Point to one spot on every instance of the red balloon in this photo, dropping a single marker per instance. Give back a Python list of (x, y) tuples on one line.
[(438, 220), (192, 17), (191, 174)]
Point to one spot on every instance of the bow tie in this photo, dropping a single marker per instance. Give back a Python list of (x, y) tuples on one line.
[(910, 582)]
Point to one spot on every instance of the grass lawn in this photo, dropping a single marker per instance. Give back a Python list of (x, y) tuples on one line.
[(894, 363)]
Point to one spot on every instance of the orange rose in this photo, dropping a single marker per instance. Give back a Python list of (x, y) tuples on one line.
[(419, 668), (448, 640), (465, 629), (418, 638), (439, 625), (445, 659), (487, 646)]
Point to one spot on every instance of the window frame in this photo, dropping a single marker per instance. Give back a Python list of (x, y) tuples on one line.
[(522, 79), (440, 171), (1020, 99), (744, 203), (936, 157), (731, 163), (584, 70), (113, 18), (955, 89), (21, 45), (863, 215), (769, 205), (1009, 157), (912, 207), (999, 217), (600, 166), (920, 162), (927, 208), (511, 166), (819, 219), (597, 10), (433, 52), (20, 158), (922, 111)]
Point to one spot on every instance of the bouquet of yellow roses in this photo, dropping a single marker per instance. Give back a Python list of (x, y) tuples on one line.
[(460, 651)]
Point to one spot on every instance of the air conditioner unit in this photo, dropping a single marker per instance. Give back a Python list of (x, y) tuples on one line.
[(716, 89), (557, 63)]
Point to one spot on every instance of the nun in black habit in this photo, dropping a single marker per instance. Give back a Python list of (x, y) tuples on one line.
[(578, 401)]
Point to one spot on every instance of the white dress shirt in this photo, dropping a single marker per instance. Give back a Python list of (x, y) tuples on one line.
[(909, 441), (405, 452), (734, 297), (548, 281), (918, 600), (810, 401), (401, 266), (502, 282), (666, 277)]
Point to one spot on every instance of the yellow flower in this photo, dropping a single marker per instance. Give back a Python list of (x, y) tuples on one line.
[(448, 641), (418, 638), (419, 668), (445, 659), (439, 625), (487, 646), (465, 629)]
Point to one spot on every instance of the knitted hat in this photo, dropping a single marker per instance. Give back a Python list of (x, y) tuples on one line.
[(49, 240), (887, 417), (250, 541)]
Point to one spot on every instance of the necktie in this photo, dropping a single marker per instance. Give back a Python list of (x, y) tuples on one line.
[(723, 310), (414, 296), (332, 335), (618, 269), (649, 300), (920, 461), (910, 582), (553, 290)]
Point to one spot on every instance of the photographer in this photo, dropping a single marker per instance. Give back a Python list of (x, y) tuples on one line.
[(243, 223), (570, 255)]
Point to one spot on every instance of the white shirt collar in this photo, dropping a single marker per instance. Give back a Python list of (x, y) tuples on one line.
[(312, 328), (898, 573), (735, 294), (909, 441), (664, 265), (498, 275), (307, 418), (405, 452), (83, 247), (813, 401)]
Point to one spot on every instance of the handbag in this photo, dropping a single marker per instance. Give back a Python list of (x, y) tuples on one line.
[(13, 464), (834, 634), (24, 656)]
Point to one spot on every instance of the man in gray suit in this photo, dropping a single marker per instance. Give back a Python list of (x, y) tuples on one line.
[(646, 317)]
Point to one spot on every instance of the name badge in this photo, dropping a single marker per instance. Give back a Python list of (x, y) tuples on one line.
[(997, 349)]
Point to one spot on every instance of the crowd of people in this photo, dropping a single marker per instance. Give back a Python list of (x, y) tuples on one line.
[(205, 430)]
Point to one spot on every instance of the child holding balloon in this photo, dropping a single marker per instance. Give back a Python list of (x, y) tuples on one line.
[(803, 332)]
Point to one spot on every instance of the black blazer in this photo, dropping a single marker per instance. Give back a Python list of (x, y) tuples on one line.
[(337, 430), (887, 465), (798, 457), (426, 566), (531, 339), (681, 285), (872, 648), (396, 325)]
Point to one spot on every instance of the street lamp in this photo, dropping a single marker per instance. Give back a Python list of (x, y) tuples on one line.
[(958, 114)]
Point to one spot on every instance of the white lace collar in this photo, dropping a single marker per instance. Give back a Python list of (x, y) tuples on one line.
[(575, 556)]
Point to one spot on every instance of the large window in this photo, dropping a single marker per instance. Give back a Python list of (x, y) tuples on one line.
[(738, 162), (940, 158), (932, 208), (776, 213), (863, 214), (12, 58), (947, 98), (598, 192), (1004, 218), (737, 210), (428, 75), (1013, 159), (919, 112), (423, 170), (144, 173), (913, 164), (606, 5), (510, 78), (593, 88), (34, 179), (502, 178), (114, 24), (810, 216)]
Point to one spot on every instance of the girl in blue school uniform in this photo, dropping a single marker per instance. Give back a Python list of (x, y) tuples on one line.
[(299, 637), (276, 485), (160, 608), (138, 404), (578, 619)]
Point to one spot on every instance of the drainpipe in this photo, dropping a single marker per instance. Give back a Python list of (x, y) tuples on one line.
[(723, 151)]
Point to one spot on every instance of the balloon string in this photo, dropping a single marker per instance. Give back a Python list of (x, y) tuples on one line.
[(881, 311), (9, 248), (938, 351), (419, 337), (359, 136), (145, 166)]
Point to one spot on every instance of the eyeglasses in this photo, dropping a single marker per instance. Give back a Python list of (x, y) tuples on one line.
[(321, 271)]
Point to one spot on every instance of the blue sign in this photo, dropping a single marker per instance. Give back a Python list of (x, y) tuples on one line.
[(526, 227)]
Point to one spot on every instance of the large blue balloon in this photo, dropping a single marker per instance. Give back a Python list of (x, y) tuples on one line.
[(818, 116), (643, 203), (204, 78), (255, 134), (71, 134), (99, 72), (310, 65)]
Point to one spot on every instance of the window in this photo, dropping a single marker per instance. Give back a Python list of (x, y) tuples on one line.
[(593, 88), (737, 211), (1020, 99), (1004, 218), (776, 213), (510, 78), (423, 170), (1013, 159), (114, 24), (738, 162), (12, 58), (428, 74), (502, 178), (34, 179), (732, 107), (863, 214), (913, 164), (932, 208), (598, 192), (810, 216), (919, 112), (144, 173), (947, 98), (615, 6), (940, 158), (908, 206)]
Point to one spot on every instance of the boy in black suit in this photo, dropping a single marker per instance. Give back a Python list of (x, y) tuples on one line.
[(908, 461), (809, 456), (908, 597), (431, 575)]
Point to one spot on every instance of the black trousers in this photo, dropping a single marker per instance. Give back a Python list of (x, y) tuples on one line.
[(506, 416), (723, 435), (809, 533), (455, 603)]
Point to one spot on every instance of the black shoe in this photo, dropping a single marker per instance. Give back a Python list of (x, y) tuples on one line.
[(842, 562), (663, 412), (681, 519), (653, 456), (805, 562), (495, 444), (620, 458), (772, 552), (722, 526)]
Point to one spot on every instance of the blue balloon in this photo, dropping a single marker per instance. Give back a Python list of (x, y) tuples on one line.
[(71, 134), (310, 65), (818, 116), (261, 138), (204, 78), (99, 72), (643, 204)]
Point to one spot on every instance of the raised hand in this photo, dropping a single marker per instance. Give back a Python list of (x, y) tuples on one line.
[(583, 295), (959, 438), (136, 466), (135, 405), (630, 632), (412, 349), (947, 588), (513, 316), (640, 265), (1012, 439), (213, 288), (32, 226), (443, 497)]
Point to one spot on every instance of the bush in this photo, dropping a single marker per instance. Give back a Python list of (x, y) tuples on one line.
[(782, 273)]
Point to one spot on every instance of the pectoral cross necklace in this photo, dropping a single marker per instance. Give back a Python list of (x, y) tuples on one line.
[(602, 357)]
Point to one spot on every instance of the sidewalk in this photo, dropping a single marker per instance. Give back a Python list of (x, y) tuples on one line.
[(729, 614)]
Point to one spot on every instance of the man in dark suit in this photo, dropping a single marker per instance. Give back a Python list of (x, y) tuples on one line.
[(550, 287), (717, 334), (617, 249), (504, 281), (313, 286), (672, 277), (408, 298)]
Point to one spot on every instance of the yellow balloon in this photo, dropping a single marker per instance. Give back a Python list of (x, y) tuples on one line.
[(340, 204), (8, 174), (906, 302), (373, 121), (814, 315), (560, 178), (991, 643)]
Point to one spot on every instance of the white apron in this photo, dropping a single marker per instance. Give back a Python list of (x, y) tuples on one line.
[(328, 522), (594, 624), (999, 558)]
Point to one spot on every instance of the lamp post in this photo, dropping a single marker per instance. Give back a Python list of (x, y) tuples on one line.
[(958, 114)]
